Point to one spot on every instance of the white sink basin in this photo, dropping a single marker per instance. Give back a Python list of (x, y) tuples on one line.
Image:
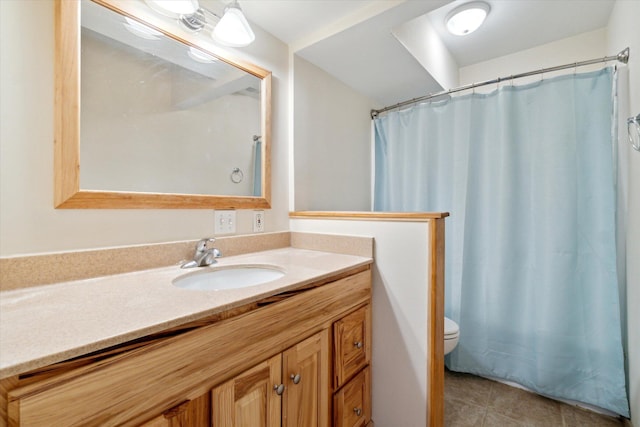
[(231, 277)]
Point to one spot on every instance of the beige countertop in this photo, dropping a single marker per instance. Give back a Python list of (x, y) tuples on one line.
[(48, 324)]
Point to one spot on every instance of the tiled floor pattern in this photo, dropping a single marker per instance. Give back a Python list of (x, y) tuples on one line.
[(476, 401)]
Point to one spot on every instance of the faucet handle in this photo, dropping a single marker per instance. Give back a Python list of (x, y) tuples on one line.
[(201, 246)]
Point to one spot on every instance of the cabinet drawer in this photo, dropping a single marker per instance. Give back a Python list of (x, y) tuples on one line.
[(352, 344), (352, 403)]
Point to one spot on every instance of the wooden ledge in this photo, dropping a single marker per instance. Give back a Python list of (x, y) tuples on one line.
[(369, 216)]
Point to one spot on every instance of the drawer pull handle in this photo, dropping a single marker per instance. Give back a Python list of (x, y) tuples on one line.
[(279, 388), (357, 344), (295, 378), (358, 411)]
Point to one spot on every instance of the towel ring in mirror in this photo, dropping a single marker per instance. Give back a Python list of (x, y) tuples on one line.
[(633, 128)]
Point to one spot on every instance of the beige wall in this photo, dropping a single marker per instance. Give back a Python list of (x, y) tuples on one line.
[(332, 136), (578, 48), (624, 31), (28, 221)]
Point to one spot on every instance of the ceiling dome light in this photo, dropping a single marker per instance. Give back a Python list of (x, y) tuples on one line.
[(233, 28), (173, 8), (467, 18)]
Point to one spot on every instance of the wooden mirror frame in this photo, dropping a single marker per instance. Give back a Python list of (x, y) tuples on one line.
[(67, 191)]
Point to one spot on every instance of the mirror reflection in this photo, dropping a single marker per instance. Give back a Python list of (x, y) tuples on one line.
[(163, 117)]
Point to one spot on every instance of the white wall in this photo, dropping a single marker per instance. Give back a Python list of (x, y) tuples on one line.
[(400, 300), (623, 31), (28, 221), (422, 41), (332, 137)]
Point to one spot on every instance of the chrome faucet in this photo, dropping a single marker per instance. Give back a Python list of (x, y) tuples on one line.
[(204, 255)]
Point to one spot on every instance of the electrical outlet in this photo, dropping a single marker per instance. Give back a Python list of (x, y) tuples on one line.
[(258, 221), (225, 222)]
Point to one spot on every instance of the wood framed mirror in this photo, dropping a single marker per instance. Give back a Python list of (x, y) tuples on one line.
[(133, 153)]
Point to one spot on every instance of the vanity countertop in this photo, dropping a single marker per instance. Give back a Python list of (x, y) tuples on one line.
[(43, 325)]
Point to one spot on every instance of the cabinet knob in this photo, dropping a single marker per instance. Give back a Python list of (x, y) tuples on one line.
[(295, 378), (279, 388), (358, 411), (358, 344)]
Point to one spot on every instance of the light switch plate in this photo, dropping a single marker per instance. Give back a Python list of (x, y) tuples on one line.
[(225, 222), (258, 221)]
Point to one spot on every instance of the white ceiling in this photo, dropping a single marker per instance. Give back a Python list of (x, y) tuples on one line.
[(352, 39), (294, 20)]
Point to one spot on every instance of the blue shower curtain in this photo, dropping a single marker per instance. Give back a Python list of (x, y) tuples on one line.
[(527, 173)]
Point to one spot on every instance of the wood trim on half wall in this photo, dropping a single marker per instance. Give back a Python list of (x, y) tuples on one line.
[(435, 320), (369, 216)]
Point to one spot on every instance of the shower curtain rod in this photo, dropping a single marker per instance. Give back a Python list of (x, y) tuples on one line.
[(623, 57)]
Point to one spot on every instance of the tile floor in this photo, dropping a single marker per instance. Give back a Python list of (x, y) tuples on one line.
[(474, 401)]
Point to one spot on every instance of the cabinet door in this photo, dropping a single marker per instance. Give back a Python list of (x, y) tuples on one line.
[(250, 399), (192, 413), (306, 376)]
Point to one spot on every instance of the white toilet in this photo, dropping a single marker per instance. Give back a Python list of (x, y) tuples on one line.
[(451, 335)]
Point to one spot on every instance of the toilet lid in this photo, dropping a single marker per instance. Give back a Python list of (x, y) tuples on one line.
[(450, 327)]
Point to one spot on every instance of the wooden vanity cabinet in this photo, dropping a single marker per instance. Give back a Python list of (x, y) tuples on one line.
[(227, 373)]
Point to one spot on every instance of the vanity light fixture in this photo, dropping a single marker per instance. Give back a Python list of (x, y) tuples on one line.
[(141, 30), (467, 18), (232, 29), (199, 56)]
